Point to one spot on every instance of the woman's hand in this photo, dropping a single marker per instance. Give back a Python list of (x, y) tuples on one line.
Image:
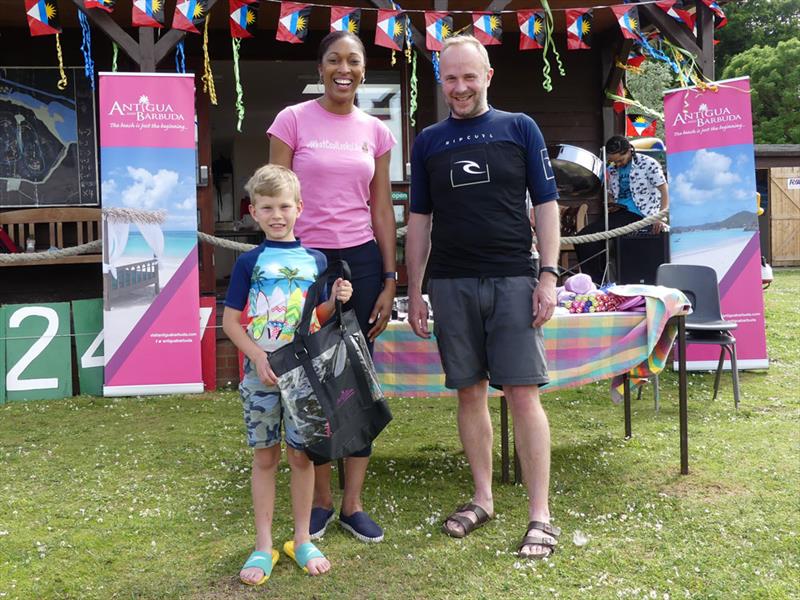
[(382, 311)]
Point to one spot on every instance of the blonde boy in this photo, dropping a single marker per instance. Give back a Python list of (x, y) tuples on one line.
[(271, 281)]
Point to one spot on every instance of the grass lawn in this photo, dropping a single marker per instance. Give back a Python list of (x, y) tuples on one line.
[(149, 497)]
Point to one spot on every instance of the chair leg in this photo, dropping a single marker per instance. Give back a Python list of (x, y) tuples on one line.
[(656, 394), (734, 375), (719, 370)]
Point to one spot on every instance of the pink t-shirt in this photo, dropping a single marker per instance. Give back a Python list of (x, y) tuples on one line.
[(334, 158)]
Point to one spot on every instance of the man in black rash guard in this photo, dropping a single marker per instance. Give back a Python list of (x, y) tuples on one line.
[(469, 178)]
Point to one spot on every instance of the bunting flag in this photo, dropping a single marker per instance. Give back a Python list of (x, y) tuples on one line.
[(639, 125), (106, 5), (243, 17), (621, 98), (189, 14), (293, 22), (720, 20), (345, 18), (438, 27), (390, 31), (531, 29), (628, 19), (147, 13), (635, 59), (676, 10), (42, 17), (488, 28), (579, 29)]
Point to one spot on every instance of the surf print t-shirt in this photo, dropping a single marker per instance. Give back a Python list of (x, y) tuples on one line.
[(334, 158), (272, 281)]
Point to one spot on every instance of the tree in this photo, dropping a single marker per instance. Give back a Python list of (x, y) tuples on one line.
[(755, 23), (648, 87), (775, 84)]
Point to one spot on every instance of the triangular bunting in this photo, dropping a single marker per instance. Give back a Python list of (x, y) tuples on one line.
[(579, 29), (390, 31), (675, 9), (106, 5), (189, 14), (438, 27), (147, 13), (243, 17), (488, 28), (345, 18), (293, 22), (531, 29), (42, 17), (628, 19)]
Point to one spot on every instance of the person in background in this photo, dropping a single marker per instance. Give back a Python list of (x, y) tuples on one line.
[(469, 178), (637, 189), (341, 155), (259, 274)]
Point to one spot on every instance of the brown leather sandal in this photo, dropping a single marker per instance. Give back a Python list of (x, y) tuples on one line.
[(549, 542), (468, 524)]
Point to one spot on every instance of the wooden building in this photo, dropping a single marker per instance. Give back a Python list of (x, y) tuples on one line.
[(275, 74)]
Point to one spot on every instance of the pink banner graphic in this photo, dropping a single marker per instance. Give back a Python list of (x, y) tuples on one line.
[(712, 191), (150, 268)]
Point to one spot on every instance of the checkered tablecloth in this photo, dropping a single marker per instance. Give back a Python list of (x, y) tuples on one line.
[(580, 348)]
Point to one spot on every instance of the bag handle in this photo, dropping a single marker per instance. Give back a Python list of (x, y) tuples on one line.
[(334, 270)]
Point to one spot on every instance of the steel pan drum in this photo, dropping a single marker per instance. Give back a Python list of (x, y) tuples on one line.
[(577, 171)]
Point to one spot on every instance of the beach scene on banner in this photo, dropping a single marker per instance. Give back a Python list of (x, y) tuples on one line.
[(151, 222), (713, 205)]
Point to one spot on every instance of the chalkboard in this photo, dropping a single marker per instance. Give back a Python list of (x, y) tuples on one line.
[(48, 149)]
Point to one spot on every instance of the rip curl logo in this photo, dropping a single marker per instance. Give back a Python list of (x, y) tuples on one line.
[(145, 110), (469, 167), (345, 396)]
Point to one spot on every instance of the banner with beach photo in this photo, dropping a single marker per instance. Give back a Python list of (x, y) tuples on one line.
[(712, 190), (151, 295)]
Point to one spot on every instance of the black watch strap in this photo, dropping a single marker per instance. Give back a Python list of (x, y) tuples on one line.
[(553, 270), (390, 275)]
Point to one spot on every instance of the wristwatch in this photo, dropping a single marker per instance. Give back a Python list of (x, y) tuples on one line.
[(553, 270), (390, 275)]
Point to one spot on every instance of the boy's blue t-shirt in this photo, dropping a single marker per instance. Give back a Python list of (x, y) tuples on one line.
[(272, 280)]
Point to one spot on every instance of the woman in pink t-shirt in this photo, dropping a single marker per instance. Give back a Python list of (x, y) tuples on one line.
[(341, 156)]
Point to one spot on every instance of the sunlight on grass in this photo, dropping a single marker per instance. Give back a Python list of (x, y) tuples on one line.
[(149, 497)]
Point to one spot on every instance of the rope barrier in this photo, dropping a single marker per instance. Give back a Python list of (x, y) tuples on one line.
[(96, 246)]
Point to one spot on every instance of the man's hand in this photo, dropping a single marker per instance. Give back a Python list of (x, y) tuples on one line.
[(418, 315), (382, 311), (544, 299), (265, 372), (342, 290)]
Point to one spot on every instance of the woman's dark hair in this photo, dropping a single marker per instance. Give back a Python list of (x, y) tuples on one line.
[(617, 145), (335, 36)]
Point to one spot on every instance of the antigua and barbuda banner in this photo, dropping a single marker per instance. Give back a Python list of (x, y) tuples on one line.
[(712, 190), (150, 269)]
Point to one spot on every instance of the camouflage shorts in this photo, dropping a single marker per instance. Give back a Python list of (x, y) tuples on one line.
[(263, 413)]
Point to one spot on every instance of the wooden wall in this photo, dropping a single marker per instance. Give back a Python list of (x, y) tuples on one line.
[(784, 205)]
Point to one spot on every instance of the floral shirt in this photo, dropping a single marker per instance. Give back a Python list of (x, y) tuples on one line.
[(645, 177)]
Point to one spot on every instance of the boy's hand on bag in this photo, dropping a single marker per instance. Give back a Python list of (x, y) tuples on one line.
[(265, 372), (342, 290)]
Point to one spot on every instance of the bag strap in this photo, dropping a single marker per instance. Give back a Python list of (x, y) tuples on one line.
[(334, 270)]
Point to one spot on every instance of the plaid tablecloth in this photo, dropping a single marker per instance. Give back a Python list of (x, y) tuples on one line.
[(580, 348)]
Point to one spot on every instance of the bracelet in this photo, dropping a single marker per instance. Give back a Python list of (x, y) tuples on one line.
[(390, 275), (553, 270)]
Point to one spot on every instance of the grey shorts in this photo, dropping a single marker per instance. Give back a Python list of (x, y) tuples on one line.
[(483, 327), (264, 414)]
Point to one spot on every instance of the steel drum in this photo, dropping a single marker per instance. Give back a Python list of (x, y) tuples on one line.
[(578, 172)]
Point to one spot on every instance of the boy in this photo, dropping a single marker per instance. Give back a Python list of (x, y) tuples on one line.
[(274, 277)]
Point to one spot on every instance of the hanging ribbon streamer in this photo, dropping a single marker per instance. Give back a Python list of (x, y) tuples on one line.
[(629, 68), (409, 40), (86, 48), (412, 96), (239, 91), (208, 76), (435, 61), (631, 102), (114, 55), (180, 59), (657, 54), (62, 76), (547, 82)]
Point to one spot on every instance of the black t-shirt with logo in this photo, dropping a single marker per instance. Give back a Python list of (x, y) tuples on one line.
[(473, 174)]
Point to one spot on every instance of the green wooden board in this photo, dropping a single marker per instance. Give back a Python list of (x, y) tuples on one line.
[(38, 351), (87, 324)]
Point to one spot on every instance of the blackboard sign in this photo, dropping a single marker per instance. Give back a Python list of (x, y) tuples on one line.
[(48, 150)]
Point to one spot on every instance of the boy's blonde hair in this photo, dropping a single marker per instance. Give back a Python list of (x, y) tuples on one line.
[(272, 181), (467, 40)]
